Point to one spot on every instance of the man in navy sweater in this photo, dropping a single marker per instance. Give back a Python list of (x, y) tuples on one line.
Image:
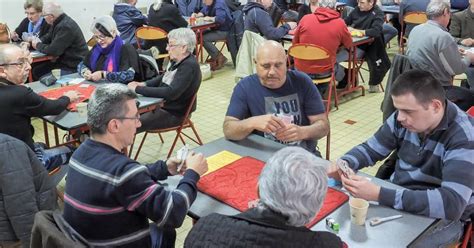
[(109, 197)]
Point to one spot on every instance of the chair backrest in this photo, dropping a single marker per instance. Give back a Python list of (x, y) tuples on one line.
[(91, 42), (51, 230), (148, 67), (149, 33), (470, 111), (416, 17), (315, 53)]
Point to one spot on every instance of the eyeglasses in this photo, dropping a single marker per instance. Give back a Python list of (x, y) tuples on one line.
[(99, 37), (23, 62), (30, 13), (174, 45), (136, 118), (45, 15)]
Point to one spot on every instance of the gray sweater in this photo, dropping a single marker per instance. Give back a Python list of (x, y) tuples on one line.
[(433, 49)]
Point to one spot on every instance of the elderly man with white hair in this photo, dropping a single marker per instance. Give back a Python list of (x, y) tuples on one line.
[(110, 59), (110, 198), (292, 187), (64, 41)]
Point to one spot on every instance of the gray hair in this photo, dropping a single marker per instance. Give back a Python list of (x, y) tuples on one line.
[(6, 51), (293, 183), (52, 8), (436, 8), (35, 4), (184, 36), (327, 4), (106, 103)]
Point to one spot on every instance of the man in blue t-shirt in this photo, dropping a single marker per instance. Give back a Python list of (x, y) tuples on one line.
[(278, 104)]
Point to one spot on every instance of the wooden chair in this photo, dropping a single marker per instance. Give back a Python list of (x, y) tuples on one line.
[(323, 57), (145, 33), (187, 123), (414, 18)]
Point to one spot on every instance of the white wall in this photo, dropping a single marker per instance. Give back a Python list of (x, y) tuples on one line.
[(82, 11)]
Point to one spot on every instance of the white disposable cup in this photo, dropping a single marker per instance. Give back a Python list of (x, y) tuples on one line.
[(56, 73), (82, 108), (358, 208)]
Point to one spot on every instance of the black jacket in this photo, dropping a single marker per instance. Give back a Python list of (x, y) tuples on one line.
[(375, 54), (179, 93), (255, 228), (25, 189), (166, 18), (18, 104), (23, 27), (65, 41)]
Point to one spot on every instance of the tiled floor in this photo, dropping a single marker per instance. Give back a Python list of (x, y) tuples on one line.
[(214, 96)]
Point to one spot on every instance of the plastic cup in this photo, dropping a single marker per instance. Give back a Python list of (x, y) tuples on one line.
[(82, 108), (56, 73), (358, 208)]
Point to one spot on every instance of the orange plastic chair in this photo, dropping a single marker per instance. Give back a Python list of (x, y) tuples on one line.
[(415, 18), (150, 33), (468, 235), (317, 53), (320, 54), (470, 111), (187, 123)]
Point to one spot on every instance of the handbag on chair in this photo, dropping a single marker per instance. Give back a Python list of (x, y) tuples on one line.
[(4, 33)]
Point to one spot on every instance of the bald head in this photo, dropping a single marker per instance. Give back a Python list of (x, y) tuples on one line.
[(270, 47), (271, 64)]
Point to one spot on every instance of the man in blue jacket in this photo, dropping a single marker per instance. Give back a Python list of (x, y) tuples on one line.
[(128, 19), (259, 21)]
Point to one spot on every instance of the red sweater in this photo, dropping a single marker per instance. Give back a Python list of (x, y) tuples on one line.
[(324, 28)]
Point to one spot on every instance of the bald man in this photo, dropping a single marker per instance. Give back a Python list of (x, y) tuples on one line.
[(19, 103), (281, 105)]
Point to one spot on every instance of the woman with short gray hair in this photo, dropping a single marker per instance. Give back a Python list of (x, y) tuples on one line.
[(177, 85), (292, 187)]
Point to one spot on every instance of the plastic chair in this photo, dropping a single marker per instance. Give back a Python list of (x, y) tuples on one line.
[(470, 111), (187, 123), (414, 18), (325, 61), (321, 55), (468, 235), (150, 33)]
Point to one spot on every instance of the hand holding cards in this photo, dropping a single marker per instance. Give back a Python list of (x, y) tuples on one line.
[(182, 154), (344, 167)]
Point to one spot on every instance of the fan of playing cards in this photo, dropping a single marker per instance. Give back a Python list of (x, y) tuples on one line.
[(182, 154)]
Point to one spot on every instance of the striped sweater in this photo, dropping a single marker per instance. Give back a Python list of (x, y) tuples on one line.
[(110, 197), (438, 173)]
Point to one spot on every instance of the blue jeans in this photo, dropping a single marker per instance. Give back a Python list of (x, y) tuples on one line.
[(442, 234), (54, 157), (388, 32), (162, 237)]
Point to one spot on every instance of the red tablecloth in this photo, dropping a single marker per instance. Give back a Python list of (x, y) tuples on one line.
[(56, 93), (236, 185)]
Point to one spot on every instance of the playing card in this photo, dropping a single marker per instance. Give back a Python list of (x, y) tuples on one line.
[(182, 154), (346, 170)]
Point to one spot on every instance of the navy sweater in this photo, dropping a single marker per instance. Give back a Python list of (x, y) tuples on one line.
[(259, 21), (110, 197)]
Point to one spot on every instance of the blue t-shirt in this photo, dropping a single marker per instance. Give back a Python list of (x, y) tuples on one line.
[(298, 98)]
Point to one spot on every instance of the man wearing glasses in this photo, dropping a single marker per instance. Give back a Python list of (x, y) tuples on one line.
[(116, 195), (19, 103), (64, 41)]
